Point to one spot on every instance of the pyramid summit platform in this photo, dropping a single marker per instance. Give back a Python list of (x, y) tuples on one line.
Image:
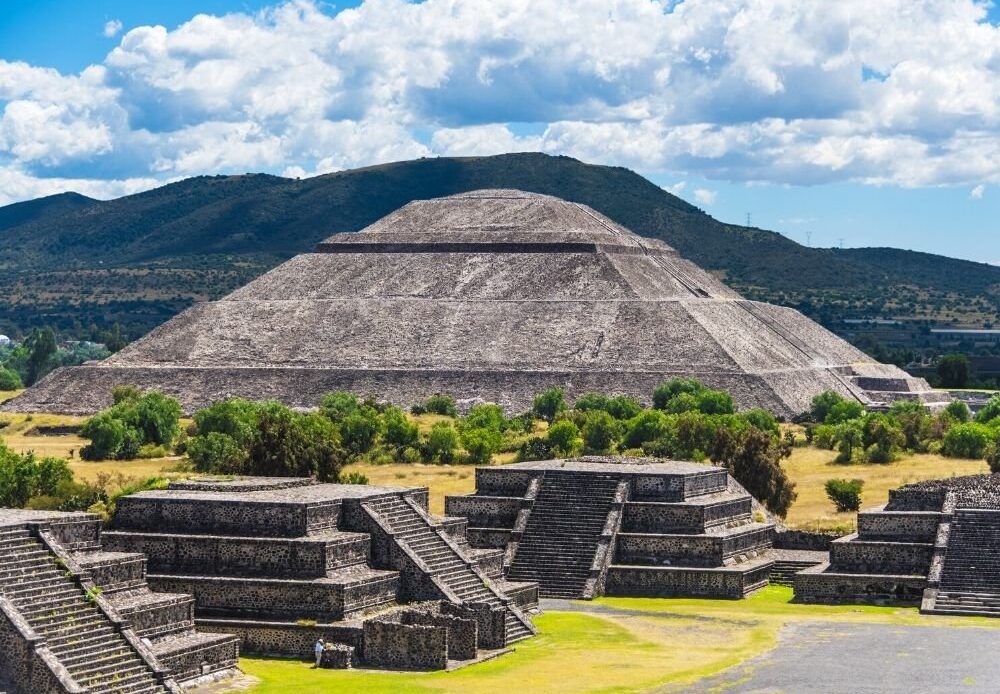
[(492, 295)]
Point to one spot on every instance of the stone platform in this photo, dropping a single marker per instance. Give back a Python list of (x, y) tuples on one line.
[(282, 562), (619, 526), (76, 617), (934, 544)]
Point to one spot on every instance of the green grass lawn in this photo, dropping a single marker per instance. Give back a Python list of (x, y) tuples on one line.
[(639, 645)]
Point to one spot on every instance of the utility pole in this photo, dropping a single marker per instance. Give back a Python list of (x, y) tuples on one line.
[(748, 219), (809, 238), (841, 243)]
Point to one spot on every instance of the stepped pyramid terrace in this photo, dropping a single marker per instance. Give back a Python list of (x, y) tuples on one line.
[(595, 526), (76, 617), (936, 544), (491, 295)]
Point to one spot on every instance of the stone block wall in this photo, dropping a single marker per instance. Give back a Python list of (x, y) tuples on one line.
[(248, 556), (485, 511), (898, 526), (851, 555), (398, 646), (284, 638), (28, 666)]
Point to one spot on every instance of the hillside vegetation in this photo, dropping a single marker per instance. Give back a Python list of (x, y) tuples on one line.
[(69, 261)]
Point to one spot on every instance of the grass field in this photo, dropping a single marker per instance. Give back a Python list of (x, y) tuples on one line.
[(656, 642), (808, 467)]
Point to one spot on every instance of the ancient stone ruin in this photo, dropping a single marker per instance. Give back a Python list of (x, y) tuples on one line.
[(492, 295), (595, 526), (281, 562), (935, 544), (75, 617)]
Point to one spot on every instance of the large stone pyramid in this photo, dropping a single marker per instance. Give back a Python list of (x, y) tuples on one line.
[(490, 295)]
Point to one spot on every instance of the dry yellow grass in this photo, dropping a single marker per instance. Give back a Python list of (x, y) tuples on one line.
[(441, 479), (8, 394), (810, 468)]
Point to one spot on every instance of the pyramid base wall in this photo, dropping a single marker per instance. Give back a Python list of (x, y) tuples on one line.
[(84, 390)]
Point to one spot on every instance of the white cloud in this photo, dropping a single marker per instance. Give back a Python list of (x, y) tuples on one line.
[(112, 28), (977, 192), (676, 188), (699, 88), (705, 196)]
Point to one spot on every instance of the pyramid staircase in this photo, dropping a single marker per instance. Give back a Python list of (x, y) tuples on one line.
[(78, 632), (970, 577), (564, 532), (415, 530)]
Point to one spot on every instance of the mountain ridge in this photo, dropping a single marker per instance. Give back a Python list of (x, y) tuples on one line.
[(141, 258)]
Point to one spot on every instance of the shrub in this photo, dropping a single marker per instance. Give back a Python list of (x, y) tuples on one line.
[(9, 380), (485, 416), (535, 448), (915, 423), (993, 453), (352, 478), (106, 434), (823, 403), (844, 411), (665, 392), (397, 429), (441, 444), (217, 452), (25, 476), (715, 402), (647, 426), (845, 494), (336, 406), (600, 432), (480, 444), (359, 430), (989, 411), (966, 441), (619, 407), (762, 419), (134, 420), (441, 404), (549, 404), (883, 437), (563, 438), (824, 436), (959, 411)]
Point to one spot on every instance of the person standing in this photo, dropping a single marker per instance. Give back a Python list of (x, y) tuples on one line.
[(318, 650)]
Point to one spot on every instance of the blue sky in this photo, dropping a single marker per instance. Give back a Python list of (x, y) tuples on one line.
[(863, 125)]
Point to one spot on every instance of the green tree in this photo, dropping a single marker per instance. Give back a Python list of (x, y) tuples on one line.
[(485, 415), (989, 411), (823, 403), (9, 380), (665, 392), (359, 430), (549, 404), (966, 441), (397, 428), (648, 425), (953, 371), (959, 411), (441, 444), (106, 434), (41, 345), (753, 457), (563, 438), (480, 444), (216, 452), (883, 437), (337, 406), (848, 437), (600, 431)]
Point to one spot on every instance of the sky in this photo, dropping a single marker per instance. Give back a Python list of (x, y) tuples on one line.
[(855, 123)]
